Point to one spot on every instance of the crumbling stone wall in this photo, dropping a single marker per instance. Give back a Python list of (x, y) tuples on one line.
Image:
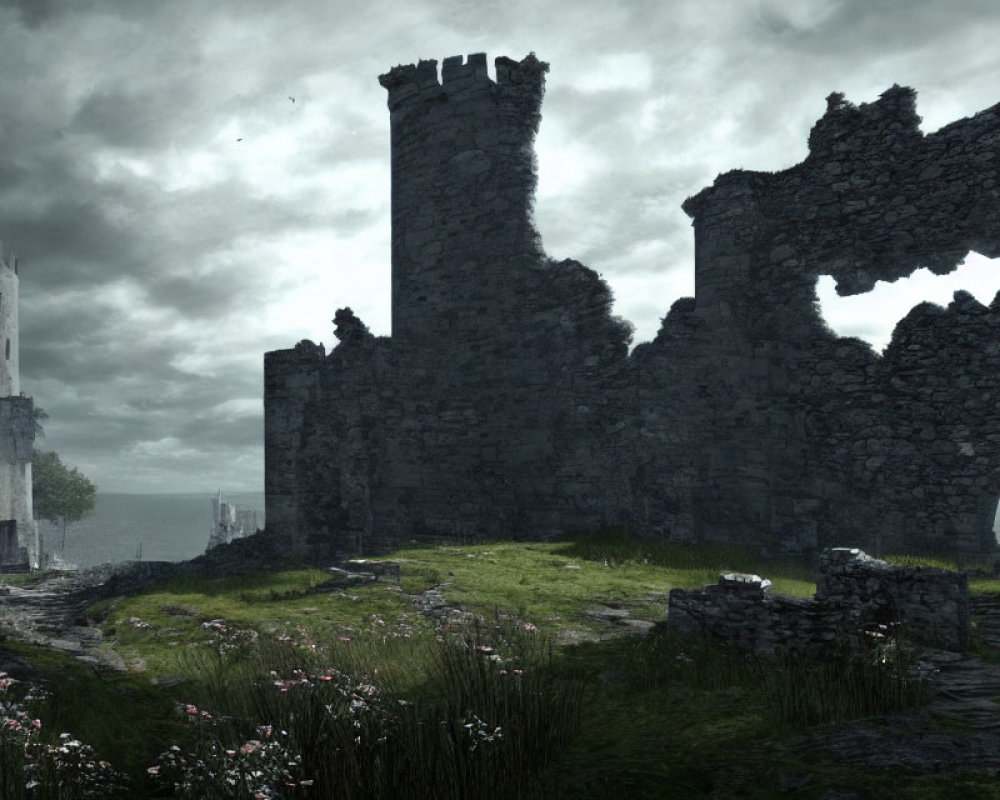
[(855, 594), (814, 437), (506, 402), (931, 603)]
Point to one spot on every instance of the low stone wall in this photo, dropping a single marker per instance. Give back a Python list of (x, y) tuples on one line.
[(855, 593), (930, 603)]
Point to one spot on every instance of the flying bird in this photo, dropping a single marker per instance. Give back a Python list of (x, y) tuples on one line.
[(239, 140), (291, 98)]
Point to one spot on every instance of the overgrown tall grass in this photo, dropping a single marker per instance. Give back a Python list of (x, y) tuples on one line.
[(34, 769), (489, 716), (796, 690)]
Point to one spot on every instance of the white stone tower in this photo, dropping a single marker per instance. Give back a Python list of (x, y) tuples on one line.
[(19, 544)]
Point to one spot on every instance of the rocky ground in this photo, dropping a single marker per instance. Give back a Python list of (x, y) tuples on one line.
[(50, 612), (959, 729)]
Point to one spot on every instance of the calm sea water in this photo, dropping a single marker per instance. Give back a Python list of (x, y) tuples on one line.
[(170, 527)]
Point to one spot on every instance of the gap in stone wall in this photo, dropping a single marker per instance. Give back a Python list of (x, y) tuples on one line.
[(873, 316), (491, 69)]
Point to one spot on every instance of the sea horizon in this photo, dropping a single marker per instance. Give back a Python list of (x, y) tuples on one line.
[(151, 526), (225, 492)]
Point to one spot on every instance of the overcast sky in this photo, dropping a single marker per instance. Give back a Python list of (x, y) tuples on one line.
[(161, 256)]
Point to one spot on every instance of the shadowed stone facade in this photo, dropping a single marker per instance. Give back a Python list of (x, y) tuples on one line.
[(506, 401), (856, 596)]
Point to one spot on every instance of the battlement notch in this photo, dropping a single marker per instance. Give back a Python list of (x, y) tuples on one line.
[(418, 83)]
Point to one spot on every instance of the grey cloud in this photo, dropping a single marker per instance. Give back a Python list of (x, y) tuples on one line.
[(35, 13), (174, 73), (122, 119), (95, 366), (877, 29), (234, 433)]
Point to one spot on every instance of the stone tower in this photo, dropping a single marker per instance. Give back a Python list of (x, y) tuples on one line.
[(18, 531), (462, 158)]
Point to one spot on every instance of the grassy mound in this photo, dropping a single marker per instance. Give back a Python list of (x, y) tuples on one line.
[(451, 684)]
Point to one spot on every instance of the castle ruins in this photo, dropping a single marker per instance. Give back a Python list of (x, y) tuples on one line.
[(506, 402)]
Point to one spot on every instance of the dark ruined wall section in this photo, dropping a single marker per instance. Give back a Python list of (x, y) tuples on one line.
[(291, 383), (935, 455), (513, 434), (855, 596), (811, 440), (510, 366), (933, 604)]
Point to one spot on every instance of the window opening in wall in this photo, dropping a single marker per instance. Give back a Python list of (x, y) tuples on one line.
[(873, 316), (996, 521), (7, 356)]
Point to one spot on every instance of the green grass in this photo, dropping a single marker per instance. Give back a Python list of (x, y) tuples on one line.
[(154, 629), (550, 584), (976, 565), (22, 578), (982, 563), (653, 716)]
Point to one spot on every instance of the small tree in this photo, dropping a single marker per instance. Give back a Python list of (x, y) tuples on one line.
[(60, 495), (40, 415)]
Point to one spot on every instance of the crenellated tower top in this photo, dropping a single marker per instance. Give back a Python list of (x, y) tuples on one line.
[(463, 183), (410, 84)]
